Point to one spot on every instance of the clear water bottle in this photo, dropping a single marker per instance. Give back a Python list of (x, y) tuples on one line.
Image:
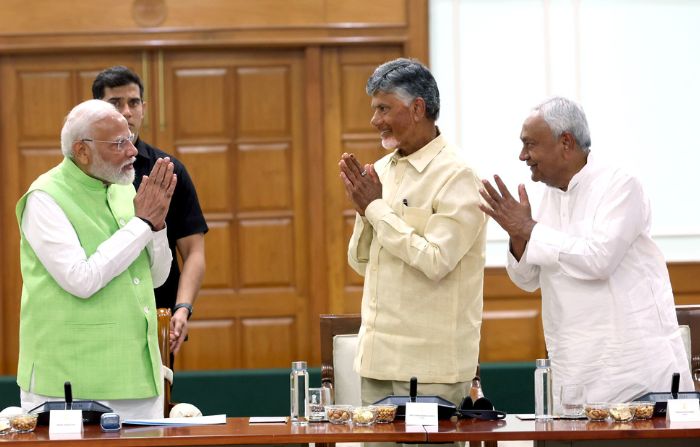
[(299, 394), (543, 389)]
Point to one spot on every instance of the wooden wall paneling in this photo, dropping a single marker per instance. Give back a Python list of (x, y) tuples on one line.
[(315, 170), (347, 115), (37, 92), (64, 24), (417, 44), (234, 119)]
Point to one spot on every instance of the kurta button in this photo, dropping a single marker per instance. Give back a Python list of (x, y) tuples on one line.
[(121, 222), (137, 281), (145, 310)]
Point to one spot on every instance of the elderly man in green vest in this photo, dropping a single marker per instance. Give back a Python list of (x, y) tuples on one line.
[(92, 249)]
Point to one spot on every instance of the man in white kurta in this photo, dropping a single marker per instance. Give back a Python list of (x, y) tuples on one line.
[(607, 305)]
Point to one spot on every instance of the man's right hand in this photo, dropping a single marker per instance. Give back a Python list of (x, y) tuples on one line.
[(153, 197)]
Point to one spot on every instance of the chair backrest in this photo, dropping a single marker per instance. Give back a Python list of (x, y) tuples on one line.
[(338, 348), (164, 315), (690, 316)]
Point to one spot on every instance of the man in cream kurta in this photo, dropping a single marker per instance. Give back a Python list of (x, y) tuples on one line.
[(419, 242), (607, 305)]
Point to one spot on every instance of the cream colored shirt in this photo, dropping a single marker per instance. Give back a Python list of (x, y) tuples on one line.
[(421, 250)]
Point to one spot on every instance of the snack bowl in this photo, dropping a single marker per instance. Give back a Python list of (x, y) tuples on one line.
[(5, 425), (385, 413), (339, 414), (364, 416), (621, 411), (643, 409), (24, 423), (596, 411)]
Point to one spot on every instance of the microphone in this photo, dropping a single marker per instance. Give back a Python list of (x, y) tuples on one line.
[(68, 393), (414, 389)]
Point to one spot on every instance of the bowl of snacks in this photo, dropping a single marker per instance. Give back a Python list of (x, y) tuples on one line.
[(339, 414), (5, 426), (596, 411), (363, 415), (621, 412), (24, 423), (643, 409), (385, 413)]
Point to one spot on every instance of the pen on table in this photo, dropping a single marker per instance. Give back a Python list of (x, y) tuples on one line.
[(405, 202)]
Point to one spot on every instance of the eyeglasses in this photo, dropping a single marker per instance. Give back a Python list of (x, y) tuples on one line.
[(120, 142)]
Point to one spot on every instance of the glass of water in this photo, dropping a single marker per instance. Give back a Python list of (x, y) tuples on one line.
[(573, 398)]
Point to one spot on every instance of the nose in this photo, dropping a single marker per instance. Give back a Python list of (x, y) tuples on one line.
[(375, 120), (524, 155), (125, 110), (130, 150)]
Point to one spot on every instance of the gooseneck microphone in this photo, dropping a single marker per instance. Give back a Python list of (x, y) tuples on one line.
[(68, 393)]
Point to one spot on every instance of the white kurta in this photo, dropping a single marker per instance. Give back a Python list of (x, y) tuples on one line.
[(607, 305)]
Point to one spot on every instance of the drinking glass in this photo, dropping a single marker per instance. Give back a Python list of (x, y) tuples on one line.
[(573, 398), (318, 399)]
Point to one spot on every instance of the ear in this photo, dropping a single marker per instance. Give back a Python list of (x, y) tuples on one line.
[(568, 142), (418, 109), (81, 153)]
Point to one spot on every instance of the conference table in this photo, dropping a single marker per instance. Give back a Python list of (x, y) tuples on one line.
[(238, 431)]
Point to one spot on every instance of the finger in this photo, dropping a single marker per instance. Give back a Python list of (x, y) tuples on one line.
[(493, 194), (355, 165), (488, 211), (168, 177), (171, 188), (142, 186), (522, 193), (487, 198), (502, 187)]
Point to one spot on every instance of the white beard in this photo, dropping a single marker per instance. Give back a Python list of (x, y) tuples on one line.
[(102, 170)]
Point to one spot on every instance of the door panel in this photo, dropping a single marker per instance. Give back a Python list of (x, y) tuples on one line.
[(231, 116)]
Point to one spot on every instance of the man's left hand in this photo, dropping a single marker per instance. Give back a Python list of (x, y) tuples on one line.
[(513, 216), (178, 329), (362, 184)]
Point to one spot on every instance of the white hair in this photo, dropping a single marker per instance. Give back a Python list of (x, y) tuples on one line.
[(79, 121)]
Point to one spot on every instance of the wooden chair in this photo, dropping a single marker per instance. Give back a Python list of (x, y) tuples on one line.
[(164, 347), (690, 316), (333, 325)]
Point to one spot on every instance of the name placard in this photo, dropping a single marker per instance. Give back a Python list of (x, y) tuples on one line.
[(683, 410), (65, 422), (421, 413)]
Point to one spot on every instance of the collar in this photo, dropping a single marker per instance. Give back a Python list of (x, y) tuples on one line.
[(583, 173), (423, 156), (73, 172)]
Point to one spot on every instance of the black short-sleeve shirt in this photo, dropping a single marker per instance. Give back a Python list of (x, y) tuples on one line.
[(184, 217)]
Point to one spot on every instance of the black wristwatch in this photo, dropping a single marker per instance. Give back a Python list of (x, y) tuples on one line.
[(153, 228), (186, 306)]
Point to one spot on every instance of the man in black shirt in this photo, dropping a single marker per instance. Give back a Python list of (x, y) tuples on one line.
[(185, 222)]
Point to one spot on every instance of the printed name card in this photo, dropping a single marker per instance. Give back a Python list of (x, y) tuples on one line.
[(683, 410), (65, 422), (421, 413)]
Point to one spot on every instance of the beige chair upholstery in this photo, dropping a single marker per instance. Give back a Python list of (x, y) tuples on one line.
[(347, 381), (690, 316)]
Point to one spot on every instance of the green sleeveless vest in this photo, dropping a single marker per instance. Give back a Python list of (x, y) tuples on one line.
[(105, 345)]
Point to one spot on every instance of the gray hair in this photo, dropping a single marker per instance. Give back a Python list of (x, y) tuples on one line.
[(409, 79), (79, 121), (564, 115)]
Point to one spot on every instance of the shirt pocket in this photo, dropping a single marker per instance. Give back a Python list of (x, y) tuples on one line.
[(417, 218)]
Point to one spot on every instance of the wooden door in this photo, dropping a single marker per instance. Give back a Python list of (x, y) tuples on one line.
[(347, 113), (235, 119)]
